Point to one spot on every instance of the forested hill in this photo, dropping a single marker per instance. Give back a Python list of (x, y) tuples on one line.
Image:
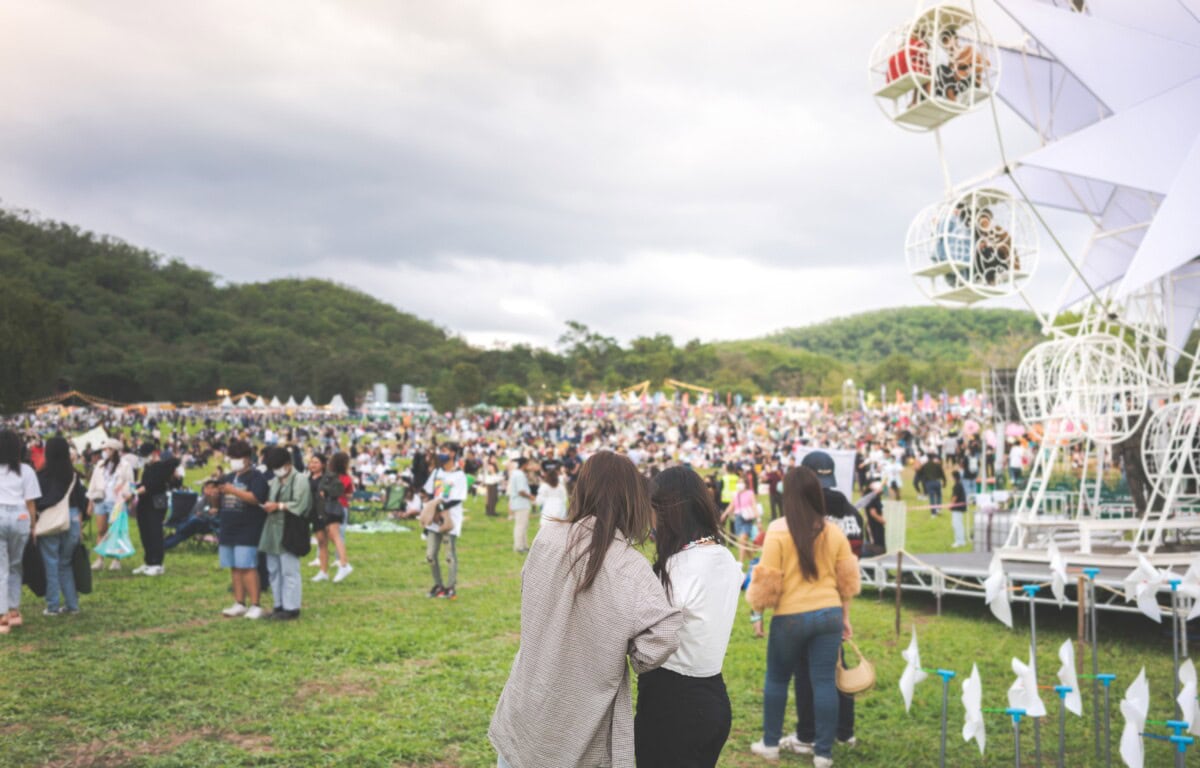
[(82, 311), (921, 333)]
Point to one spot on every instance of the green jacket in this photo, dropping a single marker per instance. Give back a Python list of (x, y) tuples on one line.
[(292, 491)]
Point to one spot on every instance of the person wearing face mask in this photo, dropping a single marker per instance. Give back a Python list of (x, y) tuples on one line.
[(288, 494), (152, 504), (112, 481), (242, 517)]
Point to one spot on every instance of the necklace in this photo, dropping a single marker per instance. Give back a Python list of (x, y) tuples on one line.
[(697, 542)]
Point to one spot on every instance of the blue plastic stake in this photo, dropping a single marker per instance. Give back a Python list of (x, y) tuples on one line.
[(1031, 591), (1016, 715), (1178, 726), (1107, 679), (947, 675), (1062, 691), (1091, 574)]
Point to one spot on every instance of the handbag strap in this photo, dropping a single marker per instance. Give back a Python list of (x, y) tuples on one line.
[(854, 647)]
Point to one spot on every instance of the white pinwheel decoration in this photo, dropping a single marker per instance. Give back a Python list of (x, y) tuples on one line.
[(912, 673), (1190, 586), (1058, 574), (1134, 707), (1066, 676), (1142, 585), (996, 591), (972, 699), (1023, 693), (1187, 694)]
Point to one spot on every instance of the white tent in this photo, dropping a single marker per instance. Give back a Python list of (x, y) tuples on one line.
[(572, 400), (94, 439), (587, 399), (617, 399), (260, 403), (227, 402), (275, 403), (308, 403), (338, 405), (243, 402), (291, 403)]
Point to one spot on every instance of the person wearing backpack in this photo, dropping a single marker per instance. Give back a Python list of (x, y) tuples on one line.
[(288, 493)]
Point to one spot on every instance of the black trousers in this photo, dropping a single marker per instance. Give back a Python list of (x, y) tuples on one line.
[(150, 529), (806, 724), (681, 722)]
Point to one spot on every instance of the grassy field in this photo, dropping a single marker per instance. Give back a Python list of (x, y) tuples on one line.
[(376, 674)]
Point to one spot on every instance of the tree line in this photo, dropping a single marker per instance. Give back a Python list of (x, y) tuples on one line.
[(93, 313)]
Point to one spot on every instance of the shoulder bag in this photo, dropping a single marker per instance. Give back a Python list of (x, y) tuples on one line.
[(859, 678), (56, 519)]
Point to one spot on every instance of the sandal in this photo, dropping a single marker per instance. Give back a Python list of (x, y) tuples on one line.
[(4, 630), (14, 618)]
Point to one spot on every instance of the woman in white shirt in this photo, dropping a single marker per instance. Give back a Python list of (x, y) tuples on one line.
[(552, 493), (112, 481), (683, 712), (19, 490)]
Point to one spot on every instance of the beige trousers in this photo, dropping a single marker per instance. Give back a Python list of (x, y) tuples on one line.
[(520, 529)]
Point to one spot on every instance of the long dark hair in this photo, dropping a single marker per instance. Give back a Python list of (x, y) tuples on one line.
[(610, 491), (11, 450), (339, 464), (58, 460), (804, 510), (684, 512)]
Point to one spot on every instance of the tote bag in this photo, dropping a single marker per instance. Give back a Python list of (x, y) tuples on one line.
[(56, 519), (116, 543)]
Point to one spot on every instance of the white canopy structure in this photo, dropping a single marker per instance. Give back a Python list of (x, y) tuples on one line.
[(243, 402), (572, 400), (275, 403), (308, 404), (291, 402), (260, 403), (587, 399), (338, 405), (227, 402)]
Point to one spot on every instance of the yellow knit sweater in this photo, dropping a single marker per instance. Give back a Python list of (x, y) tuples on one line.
[(779, 584)]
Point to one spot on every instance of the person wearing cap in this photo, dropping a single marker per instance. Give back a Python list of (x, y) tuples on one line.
[(111, 481), (841, 512), (520, 501)]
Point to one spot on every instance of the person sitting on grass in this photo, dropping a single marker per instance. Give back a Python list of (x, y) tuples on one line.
[(202, 520)]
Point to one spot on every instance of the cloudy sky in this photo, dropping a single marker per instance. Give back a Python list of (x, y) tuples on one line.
[(710, 170)]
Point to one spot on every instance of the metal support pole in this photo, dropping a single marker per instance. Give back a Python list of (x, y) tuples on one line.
[(1107, 680), (1016, 715), (899, 588), (1178, 727), (947, 675), (1175, 644), (1062, 691), (1091, 604), (1031, 591)]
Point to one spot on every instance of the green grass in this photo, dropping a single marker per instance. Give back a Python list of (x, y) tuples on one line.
[(376, 674)]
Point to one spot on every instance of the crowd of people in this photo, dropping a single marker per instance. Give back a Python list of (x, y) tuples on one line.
[(690, 479)]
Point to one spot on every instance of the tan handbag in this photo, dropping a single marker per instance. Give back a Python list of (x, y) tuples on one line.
[(859, 678), (56, 519)]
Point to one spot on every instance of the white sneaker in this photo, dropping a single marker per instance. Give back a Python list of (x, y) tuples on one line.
[(235, 610), (140, 569), (851, 742), (321, 576), (254, 612), (343, 572), (792, 743), (153, 570), (822, 762), (765, 752), (98, 564), (115, 566), (316, 563)]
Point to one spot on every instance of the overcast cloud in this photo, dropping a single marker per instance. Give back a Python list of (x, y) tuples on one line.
[(705, 170)]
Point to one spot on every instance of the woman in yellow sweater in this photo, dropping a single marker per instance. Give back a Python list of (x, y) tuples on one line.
[(807, 575)]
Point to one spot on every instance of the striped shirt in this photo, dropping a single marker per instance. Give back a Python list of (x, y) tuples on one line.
[(567, 701)]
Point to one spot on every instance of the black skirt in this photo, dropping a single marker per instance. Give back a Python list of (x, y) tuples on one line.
[(681, 721)]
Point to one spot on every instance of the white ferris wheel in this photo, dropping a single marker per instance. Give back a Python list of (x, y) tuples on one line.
[(1112, 90)]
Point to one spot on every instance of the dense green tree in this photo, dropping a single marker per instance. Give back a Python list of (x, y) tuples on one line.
[(33, 342)]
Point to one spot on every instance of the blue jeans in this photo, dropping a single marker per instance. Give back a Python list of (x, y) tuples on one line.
[(14, 532), (969, 487), (191, 527), (933, 489), (56, 555), (815, 637)]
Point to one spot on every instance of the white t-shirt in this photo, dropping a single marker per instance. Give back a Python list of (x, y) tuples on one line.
[(517, 484), (553, 501), (17, 488), (448, 486), (705, 583)]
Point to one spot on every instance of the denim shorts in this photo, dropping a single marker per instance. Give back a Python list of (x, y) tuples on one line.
[(103, 508), (743, 526), (238, 556)]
